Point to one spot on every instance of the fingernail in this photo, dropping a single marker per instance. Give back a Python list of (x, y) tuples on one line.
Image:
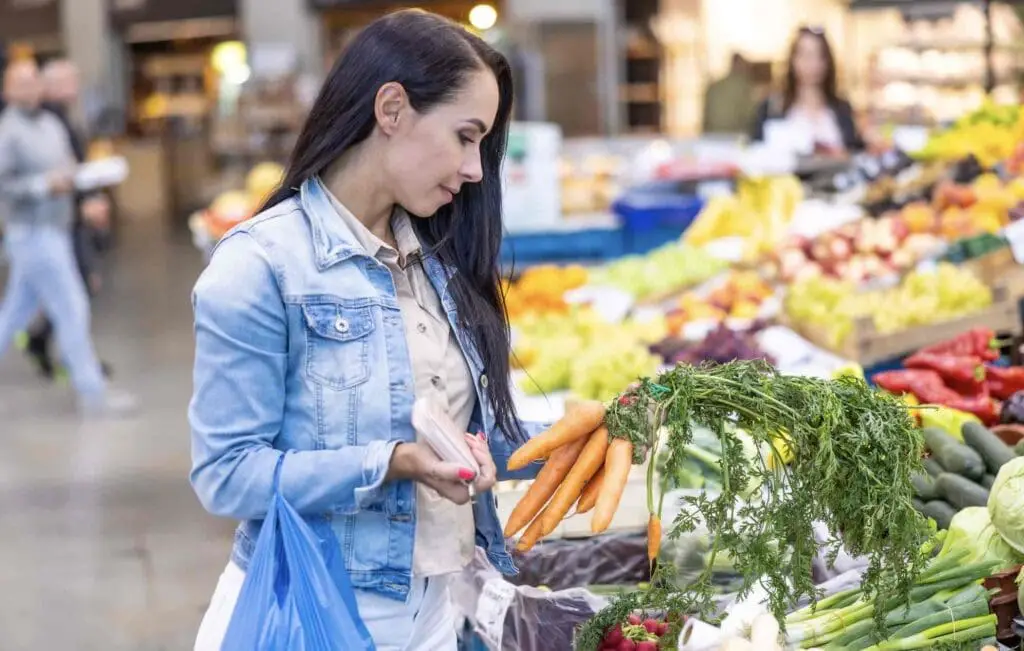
[(483, 437), (465, 474)]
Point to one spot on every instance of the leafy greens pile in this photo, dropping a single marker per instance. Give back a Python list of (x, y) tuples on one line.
[(853, 451)]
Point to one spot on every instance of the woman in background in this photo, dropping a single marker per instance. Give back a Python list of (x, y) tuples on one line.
[(810, 105)]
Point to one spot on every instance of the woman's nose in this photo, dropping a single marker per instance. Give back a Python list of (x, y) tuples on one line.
[(472, 169)]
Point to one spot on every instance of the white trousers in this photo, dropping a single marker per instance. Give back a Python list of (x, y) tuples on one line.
[(425, 622)]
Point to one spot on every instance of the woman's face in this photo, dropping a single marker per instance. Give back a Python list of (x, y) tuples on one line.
[(431, 155), (809, 61)]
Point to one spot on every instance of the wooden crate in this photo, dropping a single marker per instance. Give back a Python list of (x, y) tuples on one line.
[(999, 269), (867, 346)]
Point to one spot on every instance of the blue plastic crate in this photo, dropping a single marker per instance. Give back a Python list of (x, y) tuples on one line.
[(652, 210), (639, 242), (562, 246)]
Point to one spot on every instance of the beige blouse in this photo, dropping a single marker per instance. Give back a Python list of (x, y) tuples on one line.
[(445, 532)]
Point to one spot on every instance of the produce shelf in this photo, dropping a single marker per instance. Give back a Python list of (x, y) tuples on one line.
[(867, 346)]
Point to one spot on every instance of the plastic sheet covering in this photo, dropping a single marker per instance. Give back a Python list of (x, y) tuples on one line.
[(507, 617), (614, 559)]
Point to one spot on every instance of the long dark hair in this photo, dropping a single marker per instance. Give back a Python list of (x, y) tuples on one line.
[(431, 57), (828, 84)]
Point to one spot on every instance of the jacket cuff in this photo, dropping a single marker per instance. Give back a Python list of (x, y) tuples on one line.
[(375, 469)]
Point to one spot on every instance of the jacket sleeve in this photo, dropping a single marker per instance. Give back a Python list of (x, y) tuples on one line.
[(238, 401), (502, 449), (15, 184)]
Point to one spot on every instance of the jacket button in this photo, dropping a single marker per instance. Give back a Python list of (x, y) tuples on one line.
[(483, 380), (341, 324)]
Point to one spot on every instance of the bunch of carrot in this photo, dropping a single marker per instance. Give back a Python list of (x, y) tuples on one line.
[(584, 467)]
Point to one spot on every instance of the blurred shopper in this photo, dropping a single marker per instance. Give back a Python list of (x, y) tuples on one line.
[(370, 279), (37, 167), (92, 210), (729, 103), (810, 106)]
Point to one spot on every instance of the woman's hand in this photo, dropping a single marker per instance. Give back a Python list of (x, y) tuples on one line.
[(416, 461), (482, 453)]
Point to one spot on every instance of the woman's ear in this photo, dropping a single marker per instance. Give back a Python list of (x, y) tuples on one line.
[(389, 106)]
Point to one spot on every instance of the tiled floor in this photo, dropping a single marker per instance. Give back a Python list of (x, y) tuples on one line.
[(103, 545)]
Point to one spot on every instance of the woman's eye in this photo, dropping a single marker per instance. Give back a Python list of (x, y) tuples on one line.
[(464, 139)]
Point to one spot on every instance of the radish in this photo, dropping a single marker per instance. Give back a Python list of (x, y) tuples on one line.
[(627, 645), (651, 625), (647, 646), (614, 636), (634, 619), (662, 629)]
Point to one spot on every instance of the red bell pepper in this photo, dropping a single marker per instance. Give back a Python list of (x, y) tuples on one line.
[(964, 374), (980, 342), (926, 385), (1004, 382), (981, 405)]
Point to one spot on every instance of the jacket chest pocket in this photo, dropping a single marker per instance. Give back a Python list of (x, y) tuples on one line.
[(338, 344)]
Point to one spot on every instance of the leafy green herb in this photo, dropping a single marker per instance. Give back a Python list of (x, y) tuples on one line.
[(855, 450)]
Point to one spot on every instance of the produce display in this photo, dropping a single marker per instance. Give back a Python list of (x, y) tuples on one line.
[(946, 606), (863, 250), (721, 345), (739, 296), (922, 297), (846, 440), (235, 206), (542, 289), (582, 353), (960, 374), (661, 272), (760, 212), (991, 134)]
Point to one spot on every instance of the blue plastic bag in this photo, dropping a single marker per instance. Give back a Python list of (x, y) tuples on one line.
[(297, 595)]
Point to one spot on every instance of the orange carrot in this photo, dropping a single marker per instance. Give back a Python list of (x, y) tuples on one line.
[(617, 463), (579, 421), (653, 537), (544, 486), (588, 498), (582, 471), (532, 534)]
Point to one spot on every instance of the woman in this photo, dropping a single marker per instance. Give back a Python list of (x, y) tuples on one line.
[(810, 107), (370, 279)]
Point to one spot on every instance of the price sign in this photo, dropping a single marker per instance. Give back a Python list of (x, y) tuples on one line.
[(1014, 234), (491, 608)]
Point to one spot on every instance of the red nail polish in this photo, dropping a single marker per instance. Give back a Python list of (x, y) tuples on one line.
[(483, 437), (465, 474)]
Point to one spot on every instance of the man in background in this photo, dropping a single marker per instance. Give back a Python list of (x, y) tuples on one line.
[(92, 210), (37, 166), (730, 103)]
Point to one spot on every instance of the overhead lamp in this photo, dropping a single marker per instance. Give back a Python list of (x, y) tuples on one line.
[(483, 17)]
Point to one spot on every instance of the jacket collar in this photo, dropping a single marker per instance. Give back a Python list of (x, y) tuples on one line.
[(333, 241)]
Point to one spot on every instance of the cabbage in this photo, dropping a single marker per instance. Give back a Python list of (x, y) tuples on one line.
[(972, 529), (1006, 503)]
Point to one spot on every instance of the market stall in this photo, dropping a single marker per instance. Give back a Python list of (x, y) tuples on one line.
[(865, 268), (786, 379)]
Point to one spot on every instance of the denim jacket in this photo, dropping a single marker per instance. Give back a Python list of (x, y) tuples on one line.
[(300, 349)]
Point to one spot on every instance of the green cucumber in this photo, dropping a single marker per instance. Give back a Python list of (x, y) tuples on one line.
[(991, 448), (960, 491), (940, 511), (1019, 448), (953, 455), (987, 481), (932, 467), (924, 486)]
